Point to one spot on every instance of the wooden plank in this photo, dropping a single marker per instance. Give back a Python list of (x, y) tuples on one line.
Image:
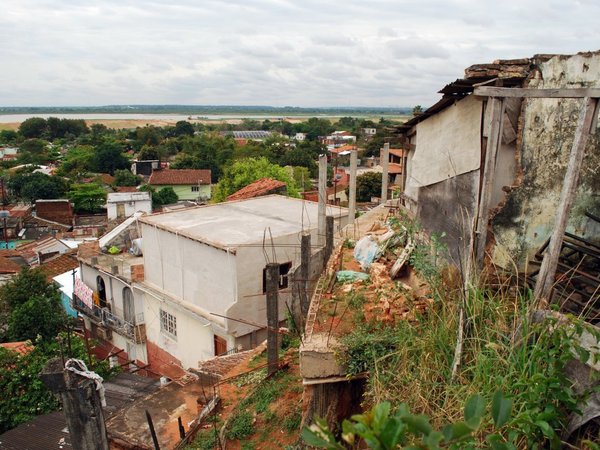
[(485, 197), (493, 91), (545, 280)]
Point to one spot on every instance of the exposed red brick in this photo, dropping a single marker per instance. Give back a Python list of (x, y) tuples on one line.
[(163, 362), (264, 186), (59, 211)]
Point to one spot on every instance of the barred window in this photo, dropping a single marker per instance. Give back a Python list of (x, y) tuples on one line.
[(195, 188), (168, 323)]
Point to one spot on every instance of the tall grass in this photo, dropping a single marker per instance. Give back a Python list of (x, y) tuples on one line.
[(503, 350)]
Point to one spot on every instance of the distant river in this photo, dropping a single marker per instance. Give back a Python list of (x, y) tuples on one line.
[(17, 118)]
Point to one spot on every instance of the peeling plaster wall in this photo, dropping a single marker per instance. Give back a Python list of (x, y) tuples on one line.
[(448, 207), (526, 220), (453, 138)]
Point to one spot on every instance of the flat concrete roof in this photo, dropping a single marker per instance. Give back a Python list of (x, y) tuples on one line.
[(232, 224), (115, 197)]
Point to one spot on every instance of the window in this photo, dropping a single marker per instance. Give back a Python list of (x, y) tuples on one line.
[(195, 188), (283, 276), (168, 323)]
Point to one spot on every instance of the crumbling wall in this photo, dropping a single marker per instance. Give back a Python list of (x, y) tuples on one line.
[(448, 207), (547, 128)]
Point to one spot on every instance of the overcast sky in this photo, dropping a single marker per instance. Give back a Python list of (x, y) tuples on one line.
[(270, 52)]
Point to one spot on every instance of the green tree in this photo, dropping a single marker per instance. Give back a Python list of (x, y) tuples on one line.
[(149, 135), (183, 128), (167, 196), (301, 177), (148, 153), (368, 185), (31, 186), (30, 307), (24, 395), (316, 127), (8, 136), (32, 151), (77, 161), (299, 157), (109, 157), (243, 172), (34, 127), (417, 110), (124, 177), (87, 197), (206, 151)]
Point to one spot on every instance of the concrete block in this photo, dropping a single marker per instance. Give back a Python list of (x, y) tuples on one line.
[(318, 359)]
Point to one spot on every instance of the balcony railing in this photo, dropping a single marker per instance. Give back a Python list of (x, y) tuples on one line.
[(134, 331)]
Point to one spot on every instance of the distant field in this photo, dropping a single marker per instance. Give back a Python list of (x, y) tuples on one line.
[(133, 123)]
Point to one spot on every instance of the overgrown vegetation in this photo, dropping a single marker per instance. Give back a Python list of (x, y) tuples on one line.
[(24, 396), (410, 363)]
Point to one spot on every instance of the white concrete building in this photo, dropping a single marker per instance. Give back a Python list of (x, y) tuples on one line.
[(203, 276), (120, 205)]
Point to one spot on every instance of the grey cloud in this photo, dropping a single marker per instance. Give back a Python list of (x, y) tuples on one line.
[(416, 48), (333, 40), (382, 52)]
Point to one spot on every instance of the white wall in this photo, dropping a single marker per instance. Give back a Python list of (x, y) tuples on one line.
[(130, 208), (114, 295), (194, 341), (193, 272)]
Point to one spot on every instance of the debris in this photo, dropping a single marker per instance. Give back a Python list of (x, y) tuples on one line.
[(351, 275), (366, 251), (402, 259)]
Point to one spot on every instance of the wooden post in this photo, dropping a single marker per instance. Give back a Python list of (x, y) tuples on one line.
[(272, 285), (485, 197), (545, 280), (81, 404), (385, 163)]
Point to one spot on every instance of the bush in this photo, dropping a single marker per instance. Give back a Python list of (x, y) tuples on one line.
[(240, 426)]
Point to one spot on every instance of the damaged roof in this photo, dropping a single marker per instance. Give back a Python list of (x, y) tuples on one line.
[(512, 72), (259, 188)]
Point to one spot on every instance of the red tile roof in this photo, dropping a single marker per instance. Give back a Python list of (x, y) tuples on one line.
[(179, 177), (259, 188), (21, 348), (397, 152), (8, 266), (394, 168), (60, 264), (125, 189)]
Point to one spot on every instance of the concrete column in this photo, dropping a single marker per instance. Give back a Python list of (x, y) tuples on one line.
[(329, 237), (352, 188), (385, 161), (272, 285), (81, 405), (305, 274), (322, 198)]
